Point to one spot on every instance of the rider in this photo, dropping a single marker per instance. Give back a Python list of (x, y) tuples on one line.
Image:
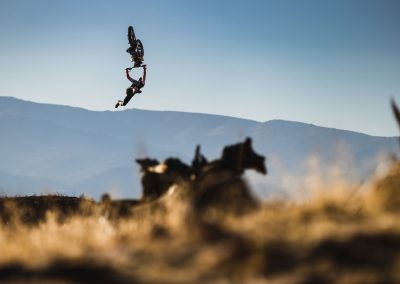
[(134, 88)]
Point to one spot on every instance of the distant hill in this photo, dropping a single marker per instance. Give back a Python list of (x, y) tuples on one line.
[(72, 150)]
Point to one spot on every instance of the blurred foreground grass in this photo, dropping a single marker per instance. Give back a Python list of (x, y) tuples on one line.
[(344, 233)]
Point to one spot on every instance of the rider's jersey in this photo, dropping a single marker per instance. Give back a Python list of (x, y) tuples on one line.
[(137, 84)]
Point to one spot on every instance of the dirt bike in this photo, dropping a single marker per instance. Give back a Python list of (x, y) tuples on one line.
[(136, 49)]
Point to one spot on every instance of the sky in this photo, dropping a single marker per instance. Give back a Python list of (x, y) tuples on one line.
[(329, 63)]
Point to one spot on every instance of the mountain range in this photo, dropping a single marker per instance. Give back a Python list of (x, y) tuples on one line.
[(67, 150)]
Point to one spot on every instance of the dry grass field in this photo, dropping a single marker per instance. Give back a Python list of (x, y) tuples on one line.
[(343, 233)]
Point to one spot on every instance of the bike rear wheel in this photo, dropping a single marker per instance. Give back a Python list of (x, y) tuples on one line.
[(132, 37)]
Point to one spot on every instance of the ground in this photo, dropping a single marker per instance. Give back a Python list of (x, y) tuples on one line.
[(343, 233)]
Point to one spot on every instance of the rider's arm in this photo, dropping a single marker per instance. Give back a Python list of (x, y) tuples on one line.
[(144, 74), (127, 75)]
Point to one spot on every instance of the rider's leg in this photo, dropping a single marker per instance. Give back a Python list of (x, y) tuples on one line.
[(129, 94)]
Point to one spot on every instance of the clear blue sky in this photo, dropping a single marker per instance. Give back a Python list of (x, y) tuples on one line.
[(330, 63)]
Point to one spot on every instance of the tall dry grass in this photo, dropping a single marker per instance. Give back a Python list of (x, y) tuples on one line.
[(342, 233)]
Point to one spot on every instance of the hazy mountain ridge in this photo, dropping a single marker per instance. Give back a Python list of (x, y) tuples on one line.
[(78, 147)]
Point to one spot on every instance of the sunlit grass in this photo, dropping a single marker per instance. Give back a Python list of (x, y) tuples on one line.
[(342, 232)]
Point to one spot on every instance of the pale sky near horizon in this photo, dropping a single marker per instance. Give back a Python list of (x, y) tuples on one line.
[(330, 63)]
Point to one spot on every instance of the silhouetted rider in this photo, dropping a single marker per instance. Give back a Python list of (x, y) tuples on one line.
[(135, 88)]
